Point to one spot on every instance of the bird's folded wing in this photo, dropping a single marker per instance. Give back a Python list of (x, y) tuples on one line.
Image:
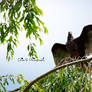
[(59, 52)]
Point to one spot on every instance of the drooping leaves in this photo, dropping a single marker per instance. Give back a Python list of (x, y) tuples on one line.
[(16, 14), (6, 79)]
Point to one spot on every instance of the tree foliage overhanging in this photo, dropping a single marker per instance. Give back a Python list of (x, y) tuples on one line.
[(16, 16), (20, 15)]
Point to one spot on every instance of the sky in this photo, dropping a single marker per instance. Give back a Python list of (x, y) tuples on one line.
[(60, 16)]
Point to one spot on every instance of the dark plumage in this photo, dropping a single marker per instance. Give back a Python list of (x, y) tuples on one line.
[(74, 48)]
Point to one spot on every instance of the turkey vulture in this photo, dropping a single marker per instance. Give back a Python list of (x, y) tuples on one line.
[(74, 48)]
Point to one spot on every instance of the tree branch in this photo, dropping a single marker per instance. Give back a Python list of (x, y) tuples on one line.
[(17, 89), (47, 73)]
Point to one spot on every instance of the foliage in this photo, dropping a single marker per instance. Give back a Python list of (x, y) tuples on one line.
[(20, 15), (70, 79), (31, 49), (16, 16), (5, 81)]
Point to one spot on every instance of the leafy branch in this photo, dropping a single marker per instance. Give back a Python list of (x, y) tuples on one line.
[(49, 72), (20, 15), (5, 79)]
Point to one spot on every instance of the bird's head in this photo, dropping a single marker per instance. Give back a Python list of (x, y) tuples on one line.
[(70, 37), (69, 33)]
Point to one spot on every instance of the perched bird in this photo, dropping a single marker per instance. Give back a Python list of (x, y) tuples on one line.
[(74, 48)]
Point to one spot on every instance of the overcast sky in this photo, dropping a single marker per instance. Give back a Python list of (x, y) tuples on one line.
[(60, 16)]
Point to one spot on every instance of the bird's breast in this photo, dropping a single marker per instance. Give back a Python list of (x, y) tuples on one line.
[(72, 49)]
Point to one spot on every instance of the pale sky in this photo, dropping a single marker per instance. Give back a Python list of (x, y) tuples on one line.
[(60, 16)]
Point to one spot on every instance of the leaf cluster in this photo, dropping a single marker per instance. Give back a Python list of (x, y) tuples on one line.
[(17, 15), (6, 79)]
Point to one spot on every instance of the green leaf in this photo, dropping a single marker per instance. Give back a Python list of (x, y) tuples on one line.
[(10, 39), (4, 16), (21, 19), (36, 35), (41, 41), (3, 87), (18, 5), (5, 81), (19, 78), (33, 2), (37, 11), (45, 30), (12, 79), (28, 47)]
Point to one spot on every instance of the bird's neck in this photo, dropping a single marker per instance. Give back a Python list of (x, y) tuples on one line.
[(69, 38)]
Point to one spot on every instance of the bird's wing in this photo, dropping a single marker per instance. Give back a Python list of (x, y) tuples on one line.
[(84, 41), (59, 52)]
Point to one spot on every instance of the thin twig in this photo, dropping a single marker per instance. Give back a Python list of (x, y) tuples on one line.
[(47, 73)]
